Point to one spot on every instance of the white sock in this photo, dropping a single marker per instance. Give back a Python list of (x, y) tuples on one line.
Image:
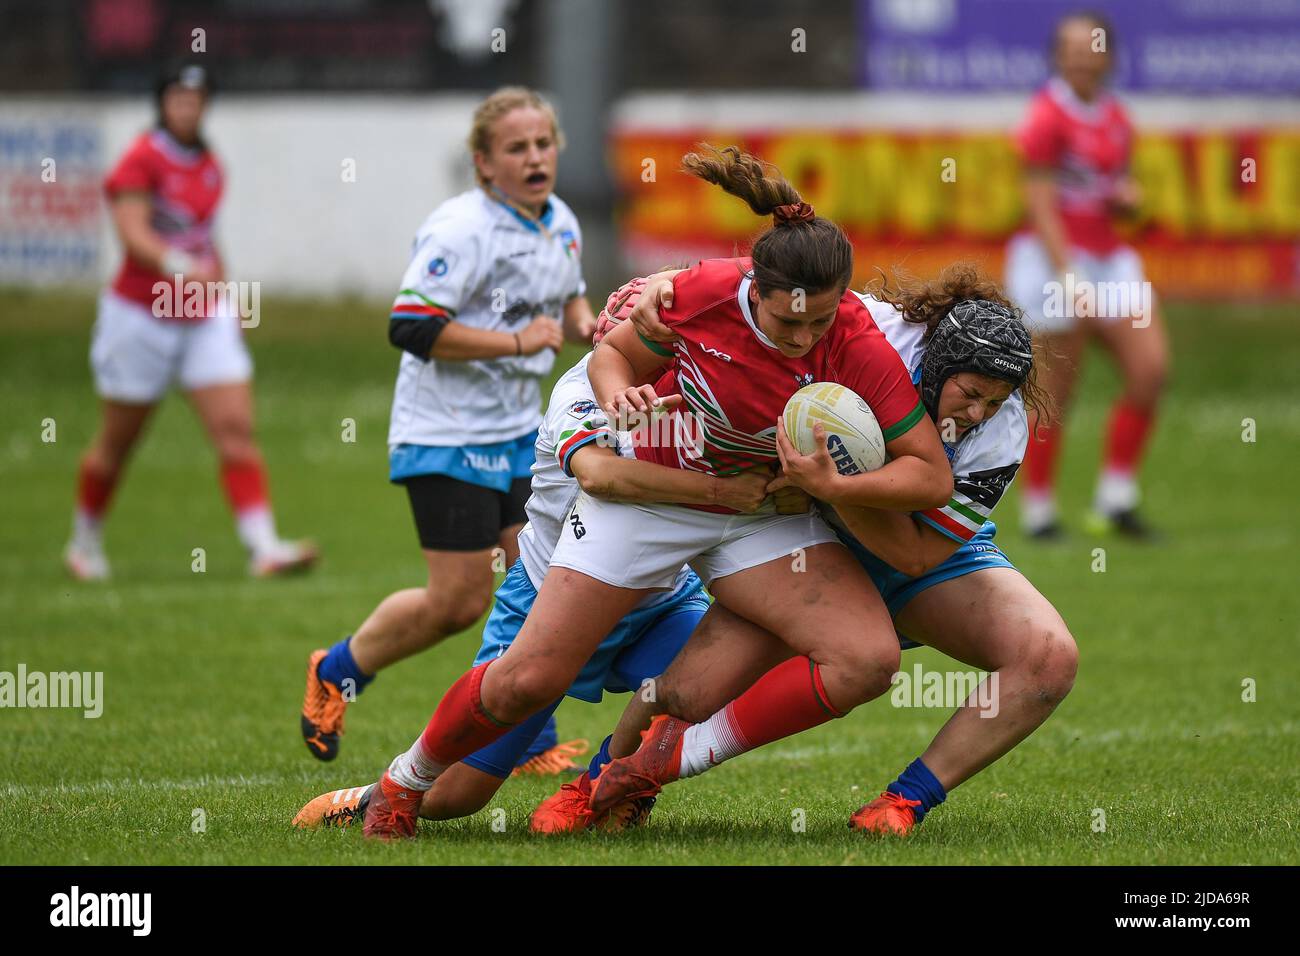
[(1116, 491), (413, 769), (87, 531), (1037, 508), (257, 529), (708, 744)]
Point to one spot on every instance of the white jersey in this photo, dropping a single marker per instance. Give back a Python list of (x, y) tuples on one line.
[(478, 261), (984, 460), (573, 420)]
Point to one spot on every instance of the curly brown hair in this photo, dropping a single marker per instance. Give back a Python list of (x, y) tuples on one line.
[(927, 302)]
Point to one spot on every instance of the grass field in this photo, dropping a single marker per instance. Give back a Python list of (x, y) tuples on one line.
[(203, 672)]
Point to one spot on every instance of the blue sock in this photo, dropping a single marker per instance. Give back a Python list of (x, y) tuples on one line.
[(339, 666), (544, 741), (918, 783), (602, 757)]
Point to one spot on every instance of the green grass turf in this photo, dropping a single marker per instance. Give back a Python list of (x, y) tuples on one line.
[(203, 672)]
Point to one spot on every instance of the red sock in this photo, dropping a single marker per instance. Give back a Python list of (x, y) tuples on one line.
[(1039, 467), (94, 491), (1126, 436), (245, 484), (787, 699), (461, 724)]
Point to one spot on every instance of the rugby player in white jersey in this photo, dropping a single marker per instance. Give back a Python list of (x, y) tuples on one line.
[(493, 287)]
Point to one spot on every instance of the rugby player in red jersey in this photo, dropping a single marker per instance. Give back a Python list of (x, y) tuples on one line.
[(753, 331), (940, 573), (164, 193), (1076, 279)]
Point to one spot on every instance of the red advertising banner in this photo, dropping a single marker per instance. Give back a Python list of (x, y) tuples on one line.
[(1220, 210)]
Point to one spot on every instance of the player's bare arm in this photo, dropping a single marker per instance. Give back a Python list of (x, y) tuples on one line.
[(579, 320), (131, 213), (458, 342), (602, 473), (620, 370), (657, 294), (898, 539)]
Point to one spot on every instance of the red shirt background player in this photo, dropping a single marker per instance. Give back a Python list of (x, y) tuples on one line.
[(1076, 279), (184, 184), (1087, 147), (735, 381), (164, 194)]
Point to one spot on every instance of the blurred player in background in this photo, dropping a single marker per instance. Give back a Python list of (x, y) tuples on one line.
[(164, 193), (476, 320), (1076, 142)]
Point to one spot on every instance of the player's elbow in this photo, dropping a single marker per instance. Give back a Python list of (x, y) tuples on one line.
[(937, 488), (596, 476), (909, 564)]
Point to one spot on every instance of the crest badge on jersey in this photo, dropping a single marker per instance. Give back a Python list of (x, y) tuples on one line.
[(569, 239), (442, 262), (582, 408)]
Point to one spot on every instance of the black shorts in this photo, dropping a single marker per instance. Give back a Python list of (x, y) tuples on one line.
[(454, 515)]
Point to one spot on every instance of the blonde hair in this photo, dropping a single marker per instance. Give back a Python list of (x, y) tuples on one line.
[(501, 102)]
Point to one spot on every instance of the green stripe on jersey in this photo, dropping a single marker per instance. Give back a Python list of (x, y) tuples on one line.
[(961, 509), (905, 423), (427, 301), (655, 347)]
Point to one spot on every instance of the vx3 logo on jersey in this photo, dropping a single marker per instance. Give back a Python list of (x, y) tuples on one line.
[(715, 353)]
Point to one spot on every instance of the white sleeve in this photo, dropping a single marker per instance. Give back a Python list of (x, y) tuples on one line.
[(444, 271), (574, 419), (983, 469)]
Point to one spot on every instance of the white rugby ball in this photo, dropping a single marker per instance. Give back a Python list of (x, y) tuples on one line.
[(852, 433)]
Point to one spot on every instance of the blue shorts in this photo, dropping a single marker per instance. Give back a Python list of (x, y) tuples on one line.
[(492, 466), (897, 589), (642, 645)]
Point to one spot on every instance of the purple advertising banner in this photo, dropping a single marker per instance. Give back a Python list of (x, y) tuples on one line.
[(1160, 46)]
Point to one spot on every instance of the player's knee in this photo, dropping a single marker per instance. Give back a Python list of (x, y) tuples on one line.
[(455, 609), (860, 674), (1146, 383), (1053, 661), (680, 702), (525, 687)]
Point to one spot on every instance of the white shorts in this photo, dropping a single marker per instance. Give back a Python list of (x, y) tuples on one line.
[(1120, 288), (136, 357), (644, 546)]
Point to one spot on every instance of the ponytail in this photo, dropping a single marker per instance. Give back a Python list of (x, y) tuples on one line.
[(800, 250)]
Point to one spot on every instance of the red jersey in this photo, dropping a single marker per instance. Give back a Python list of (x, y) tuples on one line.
[(184, 186), (1087, 146), (735, 382)]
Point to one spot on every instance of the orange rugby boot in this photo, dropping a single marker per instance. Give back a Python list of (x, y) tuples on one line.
[(568, 810), (554, 761), (890, 813), (322, 712), (643, 774), (393, 812), (338, 808)]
